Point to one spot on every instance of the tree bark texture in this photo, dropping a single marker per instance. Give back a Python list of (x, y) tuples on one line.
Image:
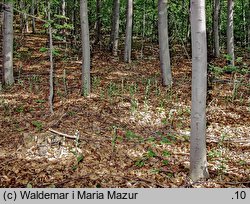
[(85, 47), (216, 28), (163, 43), (230, 31), (128, 38), (8, 77), (51, 73), (198, 158), (114, 39)]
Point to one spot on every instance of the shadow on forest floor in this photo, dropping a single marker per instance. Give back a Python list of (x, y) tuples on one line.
[(132, 131)]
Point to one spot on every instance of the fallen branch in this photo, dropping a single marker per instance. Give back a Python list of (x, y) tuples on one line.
[(74, 137), (62, 134)]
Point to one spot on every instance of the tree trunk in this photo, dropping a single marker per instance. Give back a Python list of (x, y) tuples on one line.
[(163, 43), (51, 73), (8, 77), (128, 39), (216, 28), (243, 14), (85, 47), (248, 25), (143, 27), (33, 3), (114, 37), (198, 158), (98, 22), (230, 31), (63, 8)]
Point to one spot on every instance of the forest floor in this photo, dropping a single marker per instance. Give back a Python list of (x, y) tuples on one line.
[(132, 131)]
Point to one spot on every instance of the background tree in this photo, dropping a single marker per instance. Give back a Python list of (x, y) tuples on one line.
[(8, 77), (163, 43), (98, 21), (216, 28), (114, 37), (248, 25), (230, 31), (33, 4), (128, 37), (198, 158), (85, 47), (51, 73)]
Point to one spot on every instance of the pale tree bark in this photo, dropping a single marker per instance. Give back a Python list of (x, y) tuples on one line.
[(163, 43), (63, 8), (230, 31), (85, 47), (51, 72), (216, 28), (8, 77), (114, 37), (243, 14), (128, 38), (198, 158)]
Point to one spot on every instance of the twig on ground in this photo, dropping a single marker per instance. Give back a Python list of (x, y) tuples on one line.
[(62, 134)]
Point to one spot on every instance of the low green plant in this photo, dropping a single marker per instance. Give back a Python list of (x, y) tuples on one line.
[(112, 89), (20, 109), (155, 171), (148, 88), (134, 105), (133, 89), (79, 159), (140, 162), (151, 153), (214, 153), (96, 81), (38, 125)]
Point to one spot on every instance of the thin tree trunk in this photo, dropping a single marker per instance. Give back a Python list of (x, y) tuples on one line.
[(230, 31), (98, 21), (114, 37), (8, 77), (33, 14), (243, 10), (248, 25), (63, 8), (51, 73), (128, 39), (154, 23), (216, 28), (188, 26), (163, 43), (143, 27), (85, 47), (198, 158)]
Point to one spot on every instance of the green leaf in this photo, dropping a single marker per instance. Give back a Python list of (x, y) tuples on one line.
[(74, 167), (140, 163), (151, 153), (166, 153), (61, 17), (43, 49), (165, 140), (79, 158), (38, 125), (165, 162), (55, 52)]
